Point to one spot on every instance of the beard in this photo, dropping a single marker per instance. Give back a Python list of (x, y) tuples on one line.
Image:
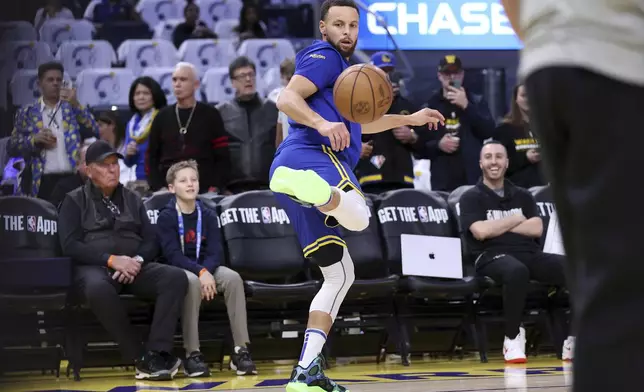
[(344, 53)]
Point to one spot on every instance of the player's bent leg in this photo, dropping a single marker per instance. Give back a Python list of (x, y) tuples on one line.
[(305, 185), (308, 375), (348, 208)]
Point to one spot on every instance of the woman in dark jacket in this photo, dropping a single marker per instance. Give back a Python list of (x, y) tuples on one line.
[(522, 145)]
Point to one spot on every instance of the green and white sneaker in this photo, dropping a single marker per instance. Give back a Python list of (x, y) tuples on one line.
[(304, 185), (312, 379)]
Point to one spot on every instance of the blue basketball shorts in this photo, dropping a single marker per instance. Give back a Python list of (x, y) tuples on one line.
[(313, 228)]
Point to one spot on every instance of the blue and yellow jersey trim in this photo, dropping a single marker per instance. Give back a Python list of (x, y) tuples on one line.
[(322, 241)]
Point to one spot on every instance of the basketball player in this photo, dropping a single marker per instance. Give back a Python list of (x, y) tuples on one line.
[(583, 64), (312, 176)]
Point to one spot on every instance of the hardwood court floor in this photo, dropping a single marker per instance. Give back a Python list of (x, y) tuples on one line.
[(468, 375)]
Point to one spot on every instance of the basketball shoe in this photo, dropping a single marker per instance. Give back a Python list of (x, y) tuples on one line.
[(305, 185), (514, 349), (312, 379), (568, 351)]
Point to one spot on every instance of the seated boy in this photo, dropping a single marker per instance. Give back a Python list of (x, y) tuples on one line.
[(190, 239)]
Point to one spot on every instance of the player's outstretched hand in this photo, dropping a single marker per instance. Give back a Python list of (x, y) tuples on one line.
[(337, 133), (427, 116)]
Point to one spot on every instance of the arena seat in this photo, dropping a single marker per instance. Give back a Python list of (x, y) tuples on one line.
[(217, 86), (425, 302), (25, 55), (17, 31), (79, 55), (154, 11), (545, 206), (24, 86), (225, 28), (214, 11), (272, 79), (104, 86), (373, 278), (56, 31), (165, 29), (33, 285), (207, 53), (117, 31), (266, 53), (141, 54), (263, 249)]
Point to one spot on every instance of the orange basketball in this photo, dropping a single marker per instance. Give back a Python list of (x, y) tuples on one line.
[(362, 93)]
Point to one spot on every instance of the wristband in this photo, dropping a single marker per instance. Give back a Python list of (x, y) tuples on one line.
[(110, 260), (203, 271)]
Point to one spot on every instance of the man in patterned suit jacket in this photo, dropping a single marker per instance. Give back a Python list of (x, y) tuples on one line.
[(49, 132)]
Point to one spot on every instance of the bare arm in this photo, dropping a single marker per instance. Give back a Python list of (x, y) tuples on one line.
[(292, 101), (483, 230), (512, 10), (385, 123), (532, 227)]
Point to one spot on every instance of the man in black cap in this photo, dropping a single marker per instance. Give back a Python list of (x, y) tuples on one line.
[(454, 149), (104, 229), (386, 158)]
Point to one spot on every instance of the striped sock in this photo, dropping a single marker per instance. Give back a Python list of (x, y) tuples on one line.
[(314, 339)]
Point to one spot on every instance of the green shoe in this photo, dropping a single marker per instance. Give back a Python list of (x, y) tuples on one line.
[(312, 379), (305, 185)]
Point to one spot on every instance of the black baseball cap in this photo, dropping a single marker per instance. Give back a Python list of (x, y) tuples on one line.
[(450, 64), (99, 151)]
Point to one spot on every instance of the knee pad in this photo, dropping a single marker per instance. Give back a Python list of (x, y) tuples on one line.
[(352, 212), (327, 255), (338, 278)]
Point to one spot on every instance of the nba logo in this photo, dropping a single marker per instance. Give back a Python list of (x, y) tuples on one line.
[(266, 215), (422, 214), (31, 223)]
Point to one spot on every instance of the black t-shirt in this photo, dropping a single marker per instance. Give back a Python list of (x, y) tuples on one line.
[(482, 203)]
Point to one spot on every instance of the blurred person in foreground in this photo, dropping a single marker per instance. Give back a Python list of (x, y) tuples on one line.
[(582, 65)]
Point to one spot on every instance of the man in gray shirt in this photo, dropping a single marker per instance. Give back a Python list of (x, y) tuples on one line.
[(583, 65)]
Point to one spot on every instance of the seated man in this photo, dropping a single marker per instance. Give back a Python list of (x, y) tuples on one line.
[(502, 227), (104, 228), (190, 239)]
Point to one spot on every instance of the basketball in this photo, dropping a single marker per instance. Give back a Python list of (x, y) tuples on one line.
[(363, 93)]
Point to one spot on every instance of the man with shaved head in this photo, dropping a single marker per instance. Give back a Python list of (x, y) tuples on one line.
[(502, 228), (188, 130)]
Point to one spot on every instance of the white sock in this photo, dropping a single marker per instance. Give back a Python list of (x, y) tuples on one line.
[(314, 339)]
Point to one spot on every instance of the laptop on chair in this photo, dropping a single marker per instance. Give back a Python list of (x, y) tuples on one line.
[(430, 256)]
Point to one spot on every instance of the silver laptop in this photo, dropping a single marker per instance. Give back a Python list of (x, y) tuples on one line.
[(436, 257)]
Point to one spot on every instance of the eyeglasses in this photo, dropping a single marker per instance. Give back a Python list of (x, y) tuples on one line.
[(247, 75)]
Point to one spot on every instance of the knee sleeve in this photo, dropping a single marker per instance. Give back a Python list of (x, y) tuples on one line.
[(327, 255), (338, 278), (352, 212)]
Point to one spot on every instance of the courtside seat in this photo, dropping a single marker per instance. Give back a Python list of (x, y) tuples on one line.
[(34, 283), (372, 274), (156, 202), (263, 249), (409, 211), (35, 276)]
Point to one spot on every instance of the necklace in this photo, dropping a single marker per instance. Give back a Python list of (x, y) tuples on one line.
[(183, 130)]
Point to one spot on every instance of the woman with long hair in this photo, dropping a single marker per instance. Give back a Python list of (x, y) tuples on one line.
[(522, 145), (250, 24), (146, 98)]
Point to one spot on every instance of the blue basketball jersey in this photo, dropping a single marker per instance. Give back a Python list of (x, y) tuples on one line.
[(321, 63)]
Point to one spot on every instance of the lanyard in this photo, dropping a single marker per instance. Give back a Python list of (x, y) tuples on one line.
[(182, 230), (52, 116)]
